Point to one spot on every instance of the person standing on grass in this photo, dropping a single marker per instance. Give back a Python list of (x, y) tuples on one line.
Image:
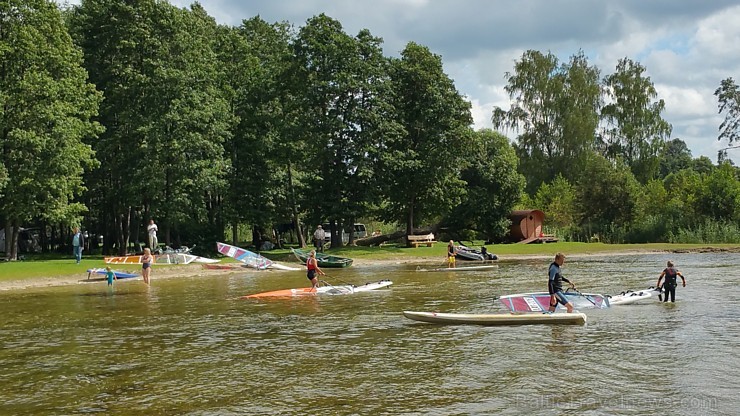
[(319, 238), (152, 230), (78, 242), (670, 273)]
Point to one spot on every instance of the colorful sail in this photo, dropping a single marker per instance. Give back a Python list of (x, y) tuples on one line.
[(245, 256), (540, 301)]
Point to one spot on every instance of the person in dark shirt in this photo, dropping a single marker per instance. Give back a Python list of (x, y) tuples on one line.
[(555, 285), (670, 273)]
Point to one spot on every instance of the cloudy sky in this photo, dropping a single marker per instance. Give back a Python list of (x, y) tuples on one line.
[(687, 46)]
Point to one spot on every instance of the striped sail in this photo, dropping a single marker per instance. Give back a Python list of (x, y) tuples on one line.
[(244, 256)]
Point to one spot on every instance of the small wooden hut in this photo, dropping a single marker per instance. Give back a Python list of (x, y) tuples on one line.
[(526, 225)]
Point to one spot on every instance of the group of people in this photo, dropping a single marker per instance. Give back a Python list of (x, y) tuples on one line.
[(556, 279), (78, 244)]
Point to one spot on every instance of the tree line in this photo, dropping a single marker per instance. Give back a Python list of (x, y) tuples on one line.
[(113, 112)]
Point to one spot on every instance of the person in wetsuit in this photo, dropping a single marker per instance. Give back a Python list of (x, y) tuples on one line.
[(313, 269), (670, 273), (555, 284)]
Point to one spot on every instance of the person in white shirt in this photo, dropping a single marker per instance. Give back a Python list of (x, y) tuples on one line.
[(152, 230), (319, 236)]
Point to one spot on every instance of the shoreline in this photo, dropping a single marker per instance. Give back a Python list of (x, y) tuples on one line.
[(197, 270)]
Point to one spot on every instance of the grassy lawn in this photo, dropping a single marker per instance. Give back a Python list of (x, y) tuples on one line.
[(49, 266)]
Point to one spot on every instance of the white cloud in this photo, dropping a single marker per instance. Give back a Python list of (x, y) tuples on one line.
[(687, 46)]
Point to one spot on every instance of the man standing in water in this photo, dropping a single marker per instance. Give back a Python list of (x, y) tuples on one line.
[(555, 285), (670, 274)]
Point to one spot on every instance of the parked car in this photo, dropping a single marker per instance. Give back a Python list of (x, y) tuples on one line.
[(360, 231)]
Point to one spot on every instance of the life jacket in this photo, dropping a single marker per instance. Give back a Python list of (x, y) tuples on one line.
[(310, 265)]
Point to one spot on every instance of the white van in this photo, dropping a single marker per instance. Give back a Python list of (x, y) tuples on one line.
[(359, 230)]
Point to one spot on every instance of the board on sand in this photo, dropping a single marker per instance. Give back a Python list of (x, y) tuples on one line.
[(323, 290), (575, 318), (119, 274), (460, 269)]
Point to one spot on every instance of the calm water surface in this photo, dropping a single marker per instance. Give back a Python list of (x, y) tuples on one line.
[(188, 346)]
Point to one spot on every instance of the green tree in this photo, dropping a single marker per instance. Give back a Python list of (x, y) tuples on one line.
[(607, 197), (682, 190), (635, 129), (342, 83), (728, 95), (493, 186), (46, 107), (162, 151), (187, 124), (257, 55), (702, 165), (420, 169), (555, 107), (558, 200), (719, 198), (674, 157)]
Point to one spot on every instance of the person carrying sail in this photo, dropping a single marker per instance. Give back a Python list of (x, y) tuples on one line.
[(555, 285), (670, 284), (313, 268)]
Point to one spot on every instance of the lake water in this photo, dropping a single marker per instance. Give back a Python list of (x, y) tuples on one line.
[(189, 346)]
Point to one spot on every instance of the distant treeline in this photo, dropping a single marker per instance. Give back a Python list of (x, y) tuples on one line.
[(113, 112)]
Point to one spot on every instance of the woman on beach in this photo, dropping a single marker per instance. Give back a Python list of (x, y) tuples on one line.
[(146, 264)]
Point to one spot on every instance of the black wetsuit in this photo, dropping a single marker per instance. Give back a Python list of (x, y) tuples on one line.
[(555, 283), (670, 283)]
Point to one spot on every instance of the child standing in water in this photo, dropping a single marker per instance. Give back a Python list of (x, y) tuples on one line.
[(110, 276)]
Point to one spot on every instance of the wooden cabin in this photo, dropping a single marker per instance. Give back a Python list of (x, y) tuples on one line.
[(526, 227)]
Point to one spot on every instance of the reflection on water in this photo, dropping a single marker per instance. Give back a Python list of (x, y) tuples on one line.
[(189, 345)]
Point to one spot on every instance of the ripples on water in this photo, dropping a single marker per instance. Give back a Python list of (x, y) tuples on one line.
[(188, 346)]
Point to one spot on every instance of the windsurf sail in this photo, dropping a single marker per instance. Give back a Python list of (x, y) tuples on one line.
[(245, 256), (322, 290), (540, 301)]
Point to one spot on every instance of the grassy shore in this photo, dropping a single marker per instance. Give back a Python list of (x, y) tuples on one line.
[(45, 269)]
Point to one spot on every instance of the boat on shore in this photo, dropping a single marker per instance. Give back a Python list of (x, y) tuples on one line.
[(470, 254), (323, 260), (499, 319)]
